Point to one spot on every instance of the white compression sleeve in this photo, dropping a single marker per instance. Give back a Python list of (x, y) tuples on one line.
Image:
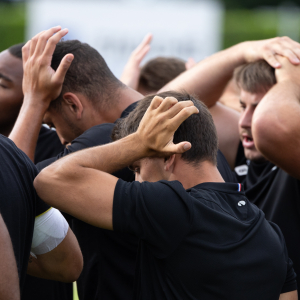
[(50, 228)]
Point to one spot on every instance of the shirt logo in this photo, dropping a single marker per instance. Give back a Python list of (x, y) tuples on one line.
[(241, 170), (242, 203)]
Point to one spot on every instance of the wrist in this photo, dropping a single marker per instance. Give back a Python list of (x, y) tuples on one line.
[(35, 103)]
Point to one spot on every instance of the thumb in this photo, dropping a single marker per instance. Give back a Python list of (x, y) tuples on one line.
[(63, 67), (178, 148)]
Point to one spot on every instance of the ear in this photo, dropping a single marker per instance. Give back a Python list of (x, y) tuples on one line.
[(169, 163), (74, 104)]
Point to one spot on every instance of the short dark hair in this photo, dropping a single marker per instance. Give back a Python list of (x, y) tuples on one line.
[(16, 50), (255, 77), (88, 73), (159, 71), (199, 129)]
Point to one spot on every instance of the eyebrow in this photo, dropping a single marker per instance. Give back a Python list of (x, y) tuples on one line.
[(4, 77)]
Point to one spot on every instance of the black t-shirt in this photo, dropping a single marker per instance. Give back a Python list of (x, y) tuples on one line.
[(208, 242), (19, 203), (48, 145), (277, 194)]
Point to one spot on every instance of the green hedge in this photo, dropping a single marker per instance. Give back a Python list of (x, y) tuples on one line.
[(242, 25), (12, 24)]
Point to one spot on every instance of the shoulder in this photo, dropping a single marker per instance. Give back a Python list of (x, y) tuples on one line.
[(97, 135)]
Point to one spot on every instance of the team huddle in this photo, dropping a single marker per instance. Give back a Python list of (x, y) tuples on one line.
[(149, 187)]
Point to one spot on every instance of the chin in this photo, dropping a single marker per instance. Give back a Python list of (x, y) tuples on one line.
[(254, 155)]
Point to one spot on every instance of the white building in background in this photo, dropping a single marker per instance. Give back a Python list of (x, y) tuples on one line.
[(182, 28)]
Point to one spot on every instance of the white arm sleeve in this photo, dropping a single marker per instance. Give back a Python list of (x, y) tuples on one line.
[(50, 228)]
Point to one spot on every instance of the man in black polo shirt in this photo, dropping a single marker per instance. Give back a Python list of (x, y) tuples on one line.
[(200, 238), (269, 130), (80, 112), (274, 187)]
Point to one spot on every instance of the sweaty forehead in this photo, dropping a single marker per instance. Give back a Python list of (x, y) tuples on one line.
[(11, 66)]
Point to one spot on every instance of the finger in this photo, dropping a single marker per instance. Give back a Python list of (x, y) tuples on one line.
[(270, 58), (175, 109), (290, 55), (291, 46), (52, 42), (166, 104), (25, 52), (43, 39), (62, 69), (140, 56), (33, 43), (186, 112), (155, 103), (178, 148), (146, 41)]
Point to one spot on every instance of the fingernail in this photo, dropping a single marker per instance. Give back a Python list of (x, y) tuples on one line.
[(69, 58), (186, 146), (277, 65), (296, 60)]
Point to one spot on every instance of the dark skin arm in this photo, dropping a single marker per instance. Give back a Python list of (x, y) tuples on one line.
[(9, 279)]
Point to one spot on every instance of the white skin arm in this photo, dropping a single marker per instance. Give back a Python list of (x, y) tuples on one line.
[(209, 77), (79, 183), (41, 85), (131, 72), (9, 279), (275, 124)]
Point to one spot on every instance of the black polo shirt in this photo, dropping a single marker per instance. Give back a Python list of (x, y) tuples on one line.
[(208, 242), (277, 194), (19, 203)]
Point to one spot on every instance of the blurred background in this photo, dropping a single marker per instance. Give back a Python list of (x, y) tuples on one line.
[(182, 28)]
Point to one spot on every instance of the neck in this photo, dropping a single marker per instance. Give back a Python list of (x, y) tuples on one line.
[(191, 176), (126, 96)]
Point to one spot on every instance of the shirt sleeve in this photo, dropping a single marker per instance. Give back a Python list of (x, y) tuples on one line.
[(159, 213)]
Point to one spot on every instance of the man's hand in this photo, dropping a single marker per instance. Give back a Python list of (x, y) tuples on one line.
[(269, 49), (131, 72), (161, 120), (41, 84), (287, 72)]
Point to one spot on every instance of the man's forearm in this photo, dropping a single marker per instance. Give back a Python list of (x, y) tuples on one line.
[(209, 77), (27, 127), (108, 158)]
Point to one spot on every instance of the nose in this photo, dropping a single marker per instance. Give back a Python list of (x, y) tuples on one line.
[(246, 118)]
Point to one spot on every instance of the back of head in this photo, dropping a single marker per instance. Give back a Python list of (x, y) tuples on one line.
[(198, 129), (158, 72), (88, 74), (255, 77), (16, 50)]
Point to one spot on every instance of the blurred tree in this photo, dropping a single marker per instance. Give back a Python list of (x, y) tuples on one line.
[(255, 3)]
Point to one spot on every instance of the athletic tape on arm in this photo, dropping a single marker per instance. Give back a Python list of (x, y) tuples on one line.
[(50, 229)]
